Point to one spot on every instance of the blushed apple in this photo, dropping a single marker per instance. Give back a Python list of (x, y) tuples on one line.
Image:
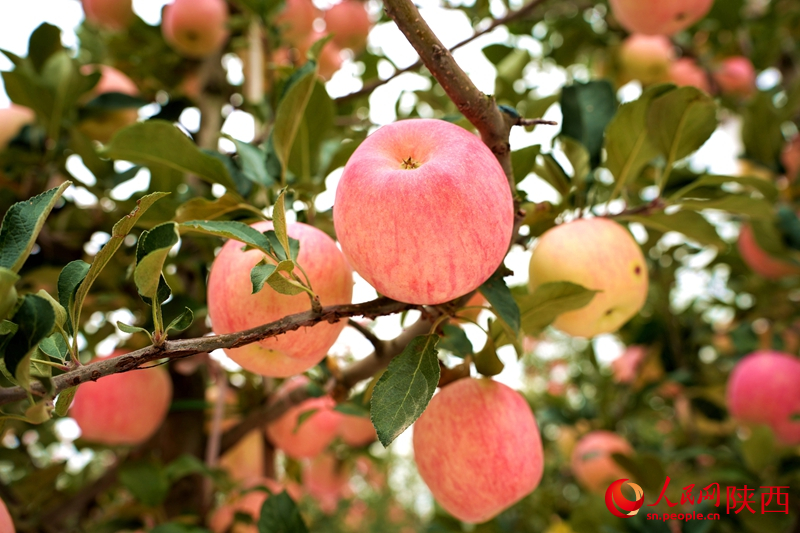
[(357, 431), (330, 58), (686, 72), (790, 158), (195, 28), (245, 461), (296, 21), (122, 409), (477, 447), (6, 523), (598, 254), (247, 502), (101, 126), (659, 17), (349, 23), (423, 211), (112, 15), (12, 120), (646, 58), (736, 76), (592, 463), (327, 480), (232, 306), (759, 260)]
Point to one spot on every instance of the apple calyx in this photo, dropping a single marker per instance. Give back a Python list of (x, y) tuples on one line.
[(410, 163)]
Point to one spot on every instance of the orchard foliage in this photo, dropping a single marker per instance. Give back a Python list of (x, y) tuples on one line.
[(114, 214)]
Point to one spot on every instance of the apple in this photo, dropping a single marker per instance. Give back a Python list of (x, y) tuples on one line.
[(245, 460), (195, 28), (112, 15), (103, 125), (790, 158), (477, 447), (314, 434), (248, 502), (591, 460), (598, 254), (122, 409), (111, 81), (646, 58), (330, 59), (762, 389), (685, 71), (12, 120), (423, 211), (760, 261), (357, 431), (326, 479), (659, 17), (232, 306), (349, 23), (626, 367), (6, 523), (736, 76), (296, 21)]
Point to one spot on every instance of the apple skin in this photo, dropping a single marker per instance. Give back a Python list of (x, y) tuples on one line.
[(326, 480), (477, 447), (591, 460), (659, 17), (316, 431), (760, 261), (232, 306), (112, 15), (12, 120), (6, 524), (736, 76), (102, 126), (349, 23), (195, 28), (686, 72), (296, 21), (357, 431), (248, 503), (245, 461), (429, 234), (762, 389), (598, 254), (122, 409), (646, 58), (790, 158), (330, 59)]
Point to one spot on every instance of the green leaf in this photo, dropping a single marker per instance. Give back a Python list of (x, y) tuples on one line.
[(35, 320), (771, 240), (690, 223), (43, 43), (259, 275), (151, 253), (228, 229), (182, 321), (276, 248), (183, 466), (578, 157), (766, 188), (587, 108), (551, 172), (681, 121), (160, 144), (280, 514), (279, 222), (282, 284), (145, 480), (71, 276), (253, 161), (523, 160), (733, 203), (499, 296), (789, 226), (495, 53), (127, 328), (305, 415), (290, 112), (405, 389), (762, 133), (64, 400), (759, 450), (306, 155), (352, 409), (8, 293), (55, 346), (486, 361), (21, 225), (202, 208), (58, 309), (548, 301), (455, 341)]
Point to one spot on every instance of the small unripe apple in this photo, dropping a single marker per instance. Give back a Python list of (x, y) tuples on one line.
[(423, 211), (245, 461), (195, 28), (598, 254), (592, 464), (103, 125), (348, 21), (122, 409), (327, 480), (646, 58), (357, 431), (248, 503), (232, 306), (112, 15), (12, 120), (790, 157), (477, 447), (659, 17), (296, 21), (760, 261), (626, 366), (6, 524), (686, 72), (762, 389), (736, 76), (314, 434)]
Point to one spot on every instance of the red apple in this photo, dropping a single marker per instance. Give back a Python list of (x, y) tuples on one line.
[(591, 461), (248, 503), (330, 58), (232, 306), (598, 254), (659, 17), (357, 431), (478, 449), (122, 409), (6, 524), (423, 211), (790, 157), (112, 15), (759, 260), (762, 389), (314, 434), (686, 72), (626, 366), (195, 28), (736, 76), (646, 58), (296, 21), (326, 480), (12, 120), (348, 21)]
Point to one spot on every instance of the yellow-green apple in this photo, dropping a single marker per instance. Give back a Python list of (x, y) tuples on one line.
[(760, 261), (736, 76), (357, 431), (646, 58), (313, 435), (232, 306), (122, 409), (686, 71), (12, 120), (659, 17), (790, 157), (625, 368), (598, 254), (348, 21), (296, 21), (101, 126), (477, 447), (327, 480), (195, 28), (113, 15), (245, 461), (591, 461), (247, 502), (6, 524), (423, 211), (762, 389)]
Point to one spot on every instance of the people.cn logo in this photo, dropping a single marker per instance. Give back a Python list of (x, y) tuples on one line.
[(621, 506)]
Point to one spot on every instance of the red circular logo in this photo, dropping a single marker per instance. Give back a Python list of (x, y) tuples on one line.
[(621, 506)]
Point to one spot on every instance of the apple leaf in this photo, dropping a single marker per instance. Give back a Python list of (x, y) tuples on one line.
[(21, 225), (578, 157), (548, 301), (306, 155), (789, 226), (127, 328), (762, 129), (405, 389), (680, 121), (259, 275), (766, 188), (291, 109), (551, 172), (770, 239), (279, 222), (522, 161), (690, 223), (71, 276), (740, 204), (64, 400), (55, 346), (455, 341), (182, 321), (587, 108), (253, 161), (146, 481), (282, 284), (280, 514), (58, 309), (499, 296), (486, 361), (202, 208), (35, 320), (8, 293), (229, 229), (151, 253)]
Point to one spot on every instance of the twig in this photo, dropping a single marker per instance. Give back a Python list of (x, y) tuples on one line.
[(534, 121), (377, 343)]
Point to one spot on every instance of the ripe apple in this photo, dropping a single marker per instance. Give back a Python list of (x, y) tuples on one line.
[(348, 21), (103, 125), (245, 460), (591, 461), (762, 389), (685, 71), (626, 367), (790, 157), (357, 431), (248, 503), (296, 21), (736, 76), (760, 261), (6, 524), (478, 449), (315, 433), (326, 479), (330, 59), (112, 15), (232, 306), (598, 254), (659, 17), (646, 58), (12, 120), (195, 28), (122, 409), (423, 211)]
